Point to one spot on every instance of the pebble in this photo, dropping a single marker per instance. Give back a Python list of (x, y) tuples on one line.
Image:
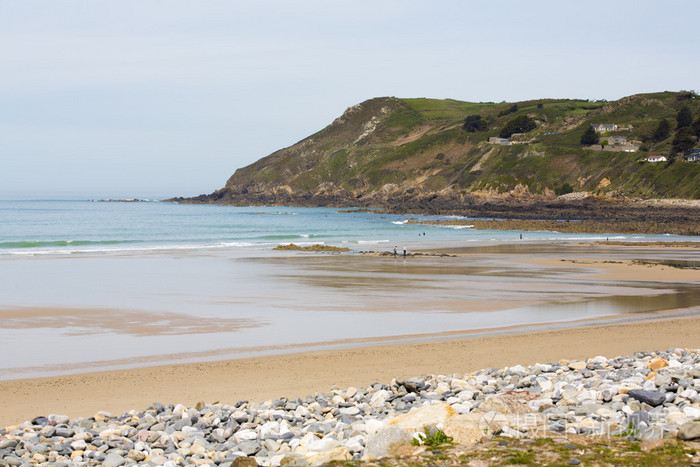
[(689, 430), (113, 460), (652, 398), (647, 396)]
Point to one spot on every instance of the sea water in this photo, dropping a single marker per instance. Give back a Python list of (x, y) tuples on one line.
[(39, 227), (97, 285)]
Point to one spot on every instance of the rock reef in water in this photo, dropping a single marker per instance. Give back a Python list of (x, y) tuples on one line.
[(319, 248)]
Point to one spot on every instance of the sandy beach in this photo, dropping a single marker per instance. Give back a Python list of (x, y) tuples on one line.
[(298, 375), (359, 362)]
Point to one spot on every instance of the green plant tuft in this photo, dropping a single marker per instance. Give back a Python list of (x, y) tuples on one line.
[(521, 458), (631, 430), (438, 438)]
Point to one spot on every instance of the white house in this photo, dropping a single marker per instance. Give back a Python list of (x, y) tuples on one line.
[(604, 127), (694, 155), (656, 159)]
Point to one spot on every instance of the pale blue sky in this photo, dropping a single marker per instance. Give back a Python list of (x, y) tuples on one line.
[(142, 98)]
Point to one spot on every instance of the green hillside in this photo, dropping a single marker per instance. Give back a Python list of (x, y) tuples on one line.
[(398, 149)]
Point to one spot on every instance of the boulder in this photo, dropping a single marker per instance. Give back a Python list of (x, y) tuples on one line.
[(470, 428), (511, 402), (410, 451), (464, 429), (417, 419), (335, 454), (386, 442), (689, 430)]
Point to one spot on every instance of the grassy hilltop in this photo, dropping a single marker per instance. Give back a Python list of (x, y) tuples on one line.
[(390, 150)]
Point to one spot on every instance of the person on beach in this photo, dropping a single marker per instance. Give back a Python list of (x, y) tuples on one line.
[(394, 250), (404, 251)]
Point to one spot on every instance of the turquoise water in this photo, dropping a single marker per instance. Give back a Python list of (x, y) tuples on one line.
[(56, 227)]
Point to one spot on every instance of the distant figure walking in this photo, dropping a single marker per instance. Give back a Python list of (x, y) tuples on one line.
[(521, 236), (394, 250), (404, 250)]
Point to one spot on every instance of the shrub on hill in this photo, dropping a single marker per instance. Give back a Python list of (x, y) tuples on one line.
[(662, 131), (590, 136), (510, 110), (686, 95), (683, 142), (684, 117), (519, 124), (474, 123), (565, 189)]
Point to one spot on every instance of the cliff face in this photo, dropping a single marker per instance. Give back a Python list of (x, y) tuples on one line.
[(325, 163), (417, 154)]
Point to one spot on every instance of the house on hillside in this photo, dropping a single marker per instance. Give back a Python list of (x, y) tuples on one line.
[(694, 155), (656, 159), (604, 127), (617, 140), (501, 141)]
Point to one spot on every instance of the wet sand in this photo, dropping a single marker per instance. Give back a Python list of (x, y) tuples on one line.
[(628, 270), (300, 374), (295, 375)]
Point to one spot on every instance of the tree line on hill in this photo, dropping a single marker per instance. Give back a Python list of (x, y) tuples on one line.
[(684, 128), (519, 124), (686, 133)]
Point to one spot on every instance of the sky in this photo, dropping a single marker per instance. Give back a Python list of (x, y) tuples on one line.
[(153, 99)]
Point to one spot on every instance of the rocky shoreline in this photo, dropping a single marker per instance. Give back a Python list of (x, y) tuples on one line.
[(690, 228), (648, 215), (648, 396)]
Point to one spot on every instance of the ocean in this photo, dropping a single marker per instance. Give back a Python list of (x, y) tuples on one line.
[(78, 227), (87, 285)]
